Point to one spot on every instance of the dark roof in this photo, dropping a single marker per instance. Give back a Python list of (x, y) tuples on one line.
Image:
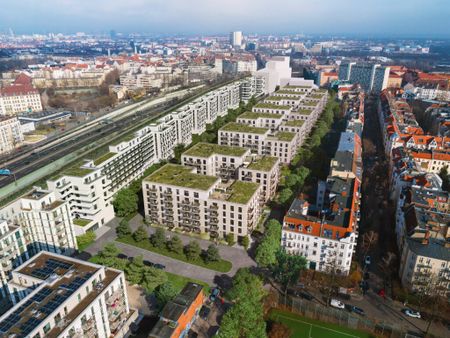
[(434, 249)]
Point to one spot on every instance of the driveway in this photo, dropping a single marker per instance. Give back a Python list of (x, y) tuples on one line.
[(237, 255)]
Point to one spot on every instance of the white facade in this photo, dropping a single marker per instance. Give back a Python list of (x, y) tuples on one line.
[(236, 39), (48, 305), (10, 134), (177, 197), (19, 103), (277, 72), (371, 77)]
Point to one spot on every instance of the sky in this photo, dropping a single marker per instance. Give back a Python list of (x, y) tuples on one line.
[(365, 18)]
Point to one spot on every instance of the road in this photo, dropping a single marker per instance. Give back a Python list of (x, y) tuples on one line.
[(24, 163), (236, 255)]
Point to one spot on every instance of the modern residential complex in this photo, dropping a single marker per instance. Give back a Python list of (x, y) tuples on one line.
[(371, 77), (11, 134), (58, 296), (89, 188), (34, 222), (19, 97), (326, 231), (177, 197)]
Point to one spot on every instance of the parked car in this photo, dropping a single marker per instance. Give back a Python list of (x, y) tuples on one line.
[(159, 266), (355, 309), (148, 263), (412, 313), (337, 304), (204, 312), (367, 260), (306, 295), (214, 294)]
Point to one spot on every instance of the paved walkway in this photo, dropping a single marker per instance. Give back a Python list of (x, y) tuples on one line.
[(237, 255)]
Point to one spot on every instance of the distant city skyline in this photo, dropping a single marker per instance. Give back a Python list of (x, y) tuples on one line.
[(385, 18)]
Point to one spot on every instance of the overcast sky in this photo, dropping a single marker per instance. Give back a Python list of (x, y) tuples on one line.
[(424, 18)]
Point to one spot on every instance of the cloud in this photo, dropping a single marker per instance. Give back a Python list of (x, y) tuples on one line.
[(414, 17)]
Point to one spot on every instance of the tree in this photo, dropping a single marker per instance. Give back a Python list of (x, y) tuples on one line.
[(279, 330), (175, 245), (285, 196), (266, 251), (165, 292), (109, 251), (369, 239), (287, 268), (192, 250), (291, 180), (445, 179), (245, 318), (125, 202), (140, 234), (135, 270), (123, 229), (178, 151), (158, 239), (229, 238), (153, 278), (245, 242), (212, 254)]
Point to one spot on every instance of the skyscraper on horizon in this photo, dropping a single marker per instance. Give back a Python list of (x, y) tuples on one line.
[(236, 38)]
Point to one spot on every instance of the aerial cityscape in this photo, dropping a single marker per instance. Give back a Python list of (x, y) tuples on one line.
[(240, 169)]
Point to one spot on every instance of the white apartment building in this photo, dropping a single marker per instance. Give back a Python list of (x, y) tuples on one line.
[(260, 141), (60, 297), (277, 72), (177, 197), (10, 134), (272, 108), (236, 39), (19, 97), (45, 220), (252, 86), (261, 120), (13, 251), (87, 194), (215, 160), (263, 170)]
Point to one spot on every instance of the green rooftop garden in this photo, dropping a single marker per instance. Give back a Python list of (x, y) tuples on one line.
[(181, 176), (81, 221), (286, 91), (285, 135), (208, 149), (253, 116), (243, 128), (310, 104), (241, 192), (104, 158), (275, 98), (264, 163), (77, 171), (304, 111), (271, 106), (294, 123), (315, 96), (291, 86)]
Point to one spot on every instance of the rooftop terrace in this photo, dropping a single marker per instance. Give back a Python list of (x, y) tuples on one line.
[(284, 135), (264, 163), (236, 192), (294, 123), (181, 176), (104, 158), (253, 116), (272, 106), (243, 128), (209, 149)]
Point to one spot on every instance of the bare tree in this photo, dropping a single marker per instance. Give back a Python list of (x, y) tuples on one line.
[(369, 240)]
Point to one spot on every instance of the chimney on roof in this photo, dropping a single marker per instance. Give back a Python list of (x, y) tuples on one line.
[(305, 208), (426, 238)]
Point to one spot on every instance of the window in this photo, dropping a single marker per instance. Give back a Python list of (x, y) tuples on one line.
[(47, 328)]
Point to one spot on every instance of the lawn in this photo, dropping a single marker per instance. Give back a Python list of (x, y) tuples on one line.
[(308, 328), (221, 266), (180, 281), (85, 240)]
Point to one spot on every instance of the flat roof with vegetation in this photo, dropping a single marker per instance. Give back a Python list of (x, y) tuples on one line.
[(241, 192), (310, 104), (207, 149), (77, 171), (264, 163), (292, 86), (285, 135), (294, 123), (286, 91), (181, 176), (304, 111), (253, 116), (104, 158), (316, 95), (272, 106), (81, 221), (243, 128)]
